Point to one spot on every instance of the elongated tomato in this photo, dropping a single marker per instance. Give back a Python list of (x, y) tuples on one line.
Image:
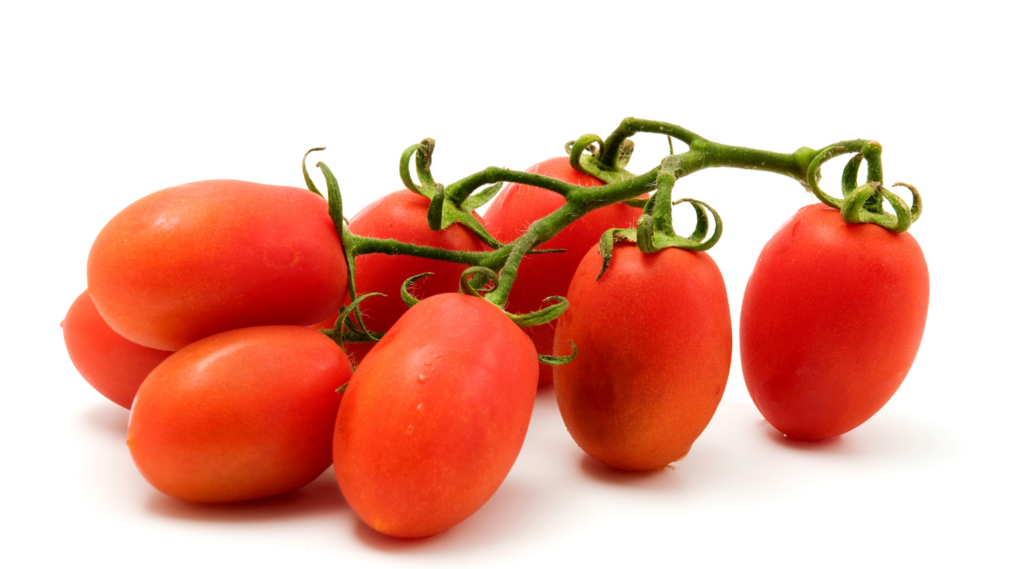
[(111, 364), (832, 318), (434, 417), (239, 415), (655, 345), (193, 260)]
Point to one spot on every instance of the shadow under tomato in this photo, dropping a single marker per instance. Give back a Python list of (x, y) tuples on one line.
[(109, 419), (657, 480), (546, 399), (835, 445), (319, 497), (888, 437)]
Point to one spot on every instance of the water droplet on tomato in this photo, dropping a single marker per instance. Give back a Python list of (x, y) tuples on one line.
[(409, 429), (419, 408), (422, 378)]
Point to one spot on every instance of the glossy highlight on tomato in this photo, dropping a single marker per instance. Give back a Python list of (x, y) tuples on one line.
[(240, 415), (435, 416), (402, 215), (832, 319), (549, 274), (655, 345), (200, 258), (111, 364)]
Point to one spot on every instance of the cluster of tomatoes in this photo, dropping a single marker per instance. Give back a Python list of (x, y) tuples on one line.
[(206, 304)]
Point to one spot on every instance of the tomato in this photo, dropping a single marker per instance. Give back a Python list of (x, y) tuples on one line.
[(402, 215), (111, 364), (832, 319), (240, 415), (435, 416), (193, 260), (655, 344), (549, 274)]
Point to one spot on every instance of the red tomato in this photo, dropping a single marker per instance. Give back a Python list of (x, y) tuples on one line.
[(832, 318), (402, 215), (239, 415), (549, 274), (111, 364), (193, 260), (655, 344), (435, 416)]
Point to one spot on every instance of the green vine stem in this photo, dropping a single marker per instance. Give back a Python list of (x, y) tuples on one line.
[(606, 159)]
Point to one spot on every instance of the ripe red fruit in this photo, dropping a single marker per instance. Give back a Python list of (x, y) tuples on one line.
[(832, 318), (196, 259), (655, 344), (111, 364), (435, 416)]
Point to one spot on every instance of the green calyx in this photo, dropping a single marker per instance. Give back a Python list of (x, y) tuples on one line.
[(349, 329), (446, 207), (407, 296), (484, 282), (542, 316), (864, 203), (559, 360), (477, 280), (585, 155), (654, 230)]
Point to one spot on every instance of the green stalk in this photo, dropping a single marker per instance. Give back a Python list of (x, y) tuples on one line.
[(801, 165)]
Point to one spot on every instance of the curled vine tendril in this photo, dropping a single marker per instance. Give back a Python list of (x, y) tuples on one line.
[(863, 203), (585, 143), (658, 240)]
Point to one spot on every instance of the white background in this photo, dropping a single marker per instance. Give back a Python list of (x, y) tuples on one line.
[(103, 103)]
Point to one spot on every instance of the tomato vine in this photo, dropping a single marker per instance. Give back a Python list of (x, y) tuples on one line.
[(606, 159)]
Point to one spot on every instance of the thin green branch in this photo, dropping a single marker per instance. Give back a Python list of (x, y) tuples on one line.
[(460, 190), (630, 126), (367, 245), (801, 165)]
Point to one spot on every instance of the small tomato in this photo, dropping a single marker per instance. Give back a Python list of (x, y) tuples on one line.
[(435, 416), (196, 259), (655, 345), (112, 364), (832, 318), (239, 415)]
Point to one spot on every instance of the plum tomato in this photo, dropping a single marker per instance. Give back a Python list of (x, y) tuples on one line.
[(549, 274), (239, 415), (402, 215), (655, 345), (832, 318), (200, 258), (435, 416), (112, 364)]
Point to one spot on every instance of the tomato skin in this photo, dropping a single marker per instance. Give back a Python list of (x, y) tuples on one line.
[(196, 259), (435, 416), (402, 215), (240, 415), (549, 274), (655, 345), (832, 318), (112, 364)]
